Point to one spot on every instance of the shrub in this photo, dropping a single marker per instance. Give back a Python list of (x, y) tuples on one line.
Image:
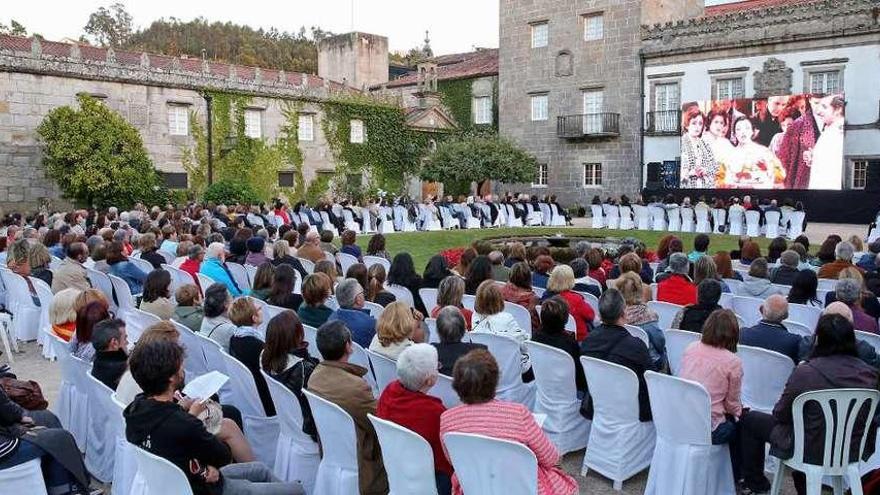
[(230, 192)]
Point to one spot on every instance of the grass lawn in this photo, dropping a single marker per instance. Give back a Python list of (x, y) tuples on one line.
[(423, 245)]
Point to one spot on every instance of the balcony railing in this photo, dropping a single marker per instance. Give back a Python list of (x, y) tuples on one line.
[(588, 125), (663, 123)]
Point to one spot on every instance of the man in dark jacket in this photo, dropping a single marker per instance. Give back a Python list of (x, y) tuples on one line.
[(770, 333), (611, 342), (787, 270), (451, 328), (692, 316), (111, 360), (166, 424)]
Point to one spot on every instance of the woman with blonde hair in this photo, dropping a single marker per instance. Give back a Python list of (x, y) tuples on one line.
[(561, 283), (62, 313), (84, 297), (705, 268), (39, 259), (396, 330), (490, 317), (637, 313)]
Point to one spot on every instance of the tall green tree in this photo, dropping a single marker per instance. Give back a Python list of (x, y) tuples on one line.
[(96, 157), (460, 161), (109, 27), (14, 28)]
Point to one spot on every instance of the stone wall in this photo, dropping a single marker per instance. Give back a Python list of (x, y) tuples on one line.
[(563, 69), (358, 59)]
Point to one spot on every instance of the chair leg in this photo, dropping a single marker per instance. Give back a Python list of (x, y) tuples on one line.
[(855, 480), (814, 482), (779, 478), (4, 333), (837, 485), (584, 468), (617, 485)]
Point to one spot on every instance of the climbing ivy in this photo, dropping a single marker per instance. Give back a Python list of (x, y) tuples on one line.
[(457, 96)]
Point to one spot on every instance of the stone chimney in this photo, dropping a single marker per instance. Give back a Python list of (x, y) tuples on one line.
[(359, 59)]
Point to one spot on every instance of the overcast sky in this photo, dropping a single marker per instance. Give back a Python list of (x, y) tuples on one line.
[(455, 25)]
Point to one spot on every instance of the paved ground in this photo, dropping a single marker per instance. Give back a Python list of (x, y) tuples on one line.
[(30, 365)]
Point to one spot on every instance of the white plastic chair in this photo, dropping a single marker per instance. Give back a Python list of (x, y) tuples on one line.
[(641, 217), (137, 322), (44, 294), (753, 218), (559, 217), (556, 397), (546, 214), (685, 462), (676, 343), (297, 456), (718, 215), (359, 357), (408, 459), (385, 369), (733, 284), (805, 315), (429, 298), (749, 308), (194, 359), (100, 281), (658, 218), (765, 373), (507, 353), (252, 274), (870, 338), (612, 217), (348, 220), (620, 445), (157, 476), (308, 265), (401, 293), (486, 465), (310, 335), (521, 315), (598, 218), (338, 471), (639, 333), (666, 311), (443, 390), (179, 278), (106, 426), (735, 222), (771, 224), (796, 224), (124, 298), (144, 265), (205, 281), (24, 478), (702, 215), (726, 300), (377, 260), (239, 274), (797, 328), (375, 310), (346, 261), (836, 404), (25, 313)]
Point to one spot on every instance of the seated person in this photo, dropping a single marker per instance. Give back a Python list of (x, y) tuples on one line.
[(677, 287), (770, 333), (785, 273), (216, 325), (450, 329), (561, 283), (396, 330), (281, 293), (62, 313), (157, 295), (246, 344), (405, 402), (111, 352), (692, 316), (554, 316), (639, 314), (350, 296), (450, 293), (757, 284), (316, 289), (189, 312)]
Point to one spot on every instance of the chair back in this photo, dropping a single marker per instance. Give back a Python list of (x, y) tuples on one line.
[(144, 265), (359, 357), (374, 309), (252, 274), (194, 359), (157, 476), (681, 409), (204, 281), (797, 328), (26, 477), (796, 224), (752, 223), (509, 357), (239, 274), (336, 429), (124, 299), (674, 219), (310, 335), (490, 466), (726, 300), (408, 459), (771, 224), (106, 425), (100, 281), (836, 404), (384, 368), (640, 214), (429, 298), (626, 219), (591, 300), (401, 293), (614, 390), (638, 333), (377, 260), (765, 373), (666, 311), (676, 342), (805, 315), (749, 308), (443, 390), (244, 390), (870, 338), (308, 265), (137, 322), (346, 261), (289, 412), (179, 278), (521, 315), (554, 374), (597, 218), (733, 284)]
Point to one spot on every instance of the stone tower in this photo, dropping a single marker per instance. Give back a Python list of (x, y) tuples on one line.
[(663, 11), (358, 59)]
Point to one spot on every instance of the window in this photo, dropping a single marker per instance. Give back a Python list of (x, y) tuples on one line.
[(357, 131), (826, 82), (541, 179), (539, 107), (594, 27), (592, 174), (729, 89), (666, 97), (306, 128), (593, 107), (540, 34), (482, 110), (178, 120), (175, 180), (285, 179), (859, 174), (253, 125)]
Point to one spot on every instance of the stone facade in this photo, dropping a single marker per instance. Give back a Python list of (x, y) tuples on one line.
[(358, 59), (563, 70)]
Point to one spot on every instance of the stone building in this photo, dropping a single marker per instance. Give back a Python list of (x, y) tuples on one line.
[(569, 93), (761, 48)]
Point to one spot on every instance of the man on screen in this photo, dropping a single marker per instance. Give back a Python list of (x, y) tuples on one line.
[(764, 121), (796, 149), (827, 166)]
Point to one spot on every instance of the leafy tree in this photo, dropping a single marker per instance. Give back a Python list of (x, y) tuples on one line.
[(97, 157), (477, 158), (109, 27), (14, 28), (230, 192)]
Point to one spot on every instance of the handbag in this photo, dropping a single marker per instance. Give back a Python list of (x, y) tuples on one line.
[(26, 394)]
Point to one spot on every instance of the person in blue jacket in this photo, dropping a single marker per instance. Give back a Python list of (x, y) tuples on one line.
[(214, 267)]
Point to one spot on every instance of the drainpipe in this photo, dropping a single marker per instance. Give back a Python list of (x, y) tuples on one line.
[(208, 99), (641, 121)]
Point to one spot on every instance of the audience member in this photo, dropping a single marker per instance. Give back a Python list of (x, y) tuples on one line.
[(500, 273), (750, 252), (39, 260), (316, 290), (770, 333), (246, 344), (214, 267), (849, 292), (281, 256), (785, 273), (843, 254), (255, 255), (560, 284), (479, 271), (869, 301), (62, 313), (701, 248), (403, 273), (311, 249), (490, 317), (350, 297), (693, 316), (71, 273), (281, 294), (638, 313), (450, 293), (375, 288), (677, 287), (188, 311), (86, 319), (803, 289), (518, 290), (516, 254), (111, 356), (554, 316), (541, 274), (396, 329), (156, 299), (757, 284), (193, 262), (450, 330), (216, 324), (435, 271), (376, 247), (724, 266)]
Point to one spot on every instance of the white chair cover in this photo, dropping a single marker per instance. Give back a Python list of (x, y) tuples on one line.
[(626, 218), (546, 214), (44, 293), (144, 265), (194, 359), (100, 281), (346, 261), (106, 426), (871, 338), (338, 471), (718, 215), (797, 328), (157, 476), (735, 222), (239, 274), (702, 215), (359, 357), (374, 309), (806, 315), (676, 342), (25, 313), (137, 321), (748, 308), (598, 219), (384, 369), (472, 221), (641, 216), (558, 217), (179, 278), (557, 397), (24, 478), (512, 219), (79, 414), (386, 224), (520, 314), (124, 465), (638, 333), (687, 219), (733, 284), (685, 462), (310, 335), (68, 408), (486, 465), (796, 224), (674, 219), (407, 457), (308, 265), (753, 227), (666, 311), (612, 217), (507, 353), (443, 390), (765, 373), (726, 300), (401, 293), (835, 405), (658, 218), (297, 455), (348, 221), (771, 224), (429, 298), (377, 260), (124, 299), (620, 445)]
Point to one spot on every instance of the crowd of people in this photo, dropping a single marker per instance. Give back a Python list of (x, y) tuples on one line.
[(204, 437)]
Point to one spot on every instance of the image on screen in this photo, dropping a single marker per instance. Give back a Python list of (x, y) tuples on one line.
[(780, 142)]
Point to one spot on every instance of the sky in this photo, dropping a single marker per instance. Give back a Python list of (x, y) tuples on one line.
[(454, 25)]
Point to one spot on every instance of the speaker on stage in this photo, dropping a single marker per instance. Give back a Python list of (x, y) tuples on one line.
[(653, 179), (872, 176)]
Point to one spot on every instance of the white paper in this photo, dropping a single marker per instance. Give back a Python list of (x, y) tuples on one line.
[(205, 386), (540, 418)]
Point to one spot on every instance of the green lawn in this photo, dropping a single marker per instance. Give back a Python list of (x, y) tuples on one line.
[(423, 245)]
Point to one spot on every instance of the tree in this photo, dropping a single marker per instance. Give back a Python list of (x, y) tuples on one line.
[(14, 28), (460, 161), (97, 157), (109, 27)]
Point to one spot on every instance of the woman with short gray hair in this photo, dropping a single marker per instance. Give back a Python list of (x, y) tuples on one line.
[(450, 293), (406, 403), (849, 292), (451, 328)]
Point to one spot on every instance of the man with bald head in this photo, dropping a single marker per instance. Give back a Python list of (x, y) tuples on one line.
[(770, 333), (70, 272)]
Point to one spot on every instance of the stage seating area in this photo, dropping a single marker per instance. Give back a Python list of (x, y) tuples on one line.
[(675, 447)]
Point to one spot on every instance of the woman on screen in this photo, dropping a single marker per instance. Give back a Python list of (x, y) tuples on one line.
[(827, 165), (786, 117), (717, 128), (698, 165), (753, 165)]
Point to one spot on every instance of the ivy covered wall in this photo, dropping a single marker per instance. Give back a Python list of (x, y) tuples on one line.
[(457, 96)]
